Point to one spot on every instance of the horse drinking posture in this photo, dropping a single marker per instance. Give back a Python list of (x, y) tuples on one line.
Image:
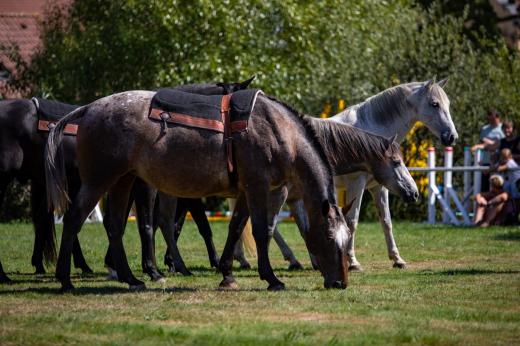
[(117, 142)]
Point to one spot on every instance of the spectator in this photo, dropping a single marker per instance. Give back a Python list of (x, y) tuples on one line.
[(507, 166), (510, 141), (491, 203), (489, 134)]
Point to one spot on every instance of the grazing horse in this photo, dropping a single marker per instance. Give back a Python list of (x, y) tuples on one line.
[(393, 111), (22, 147), (279, 148), (157, 210)]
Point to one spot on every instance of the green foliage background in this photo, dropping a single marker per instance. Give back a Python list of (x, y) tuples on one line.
[(304, 52)]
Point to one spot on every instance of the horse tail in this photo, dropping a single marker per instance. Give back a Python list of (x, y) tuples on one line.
[(55, 175), (248, 239), (49, 244)]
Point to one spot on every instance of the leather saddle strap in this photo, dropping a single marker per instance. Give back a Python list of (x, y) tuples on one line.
[(46, 126), (224, 113)]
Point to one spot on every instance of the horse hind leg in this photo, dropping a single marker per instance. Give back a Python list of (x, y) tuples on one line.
[(380, 195), (114, 222), (4, 279), (198, 212), (287, 253), (169, 217), (74, 218), (144, 204), (236, 225)]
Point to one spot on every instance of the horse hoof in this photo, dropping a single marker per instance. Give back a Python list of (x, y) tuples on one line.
[(276, 287), (355, 268), (295, 266), (86, 270), (137, 287), (228, 284), (245, 266), (39, 271), (186, 273), (112, 275), (400, 265), (161, 281), (66, 287), (4, 279)]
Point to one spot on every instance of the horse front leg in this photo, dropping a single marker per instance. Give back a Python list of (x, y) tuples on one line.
[(380, 195), (144, 205), (302, 221), (355, 187), (4, 181), (264, 207), (236, 225)]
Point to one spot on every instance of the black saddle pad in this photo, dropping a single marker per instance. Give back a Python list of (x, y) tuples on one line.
[(205, 107), (52, 110)]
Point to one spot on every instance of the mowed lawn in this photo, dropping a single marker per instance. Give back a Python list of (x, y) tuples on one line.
[(462, 287)]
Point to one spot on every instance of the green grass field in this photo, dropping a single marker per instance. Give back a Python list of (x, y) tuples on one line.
[(462, 287)]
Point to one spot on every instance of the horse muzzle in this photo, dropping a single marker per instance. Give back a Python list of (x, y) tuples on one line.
[(448, 137), (335, 284)]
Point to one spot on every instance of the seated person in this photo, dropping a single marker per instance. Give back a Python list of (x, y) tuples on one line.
[(491, 203), (507, 166)]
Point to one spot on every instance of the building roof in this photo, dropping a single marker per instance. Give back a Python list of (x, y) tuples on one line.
[(20, 29)]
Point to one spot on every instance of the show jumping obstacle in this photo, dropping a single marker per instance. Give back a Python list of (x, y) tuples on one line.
[(452, 205)]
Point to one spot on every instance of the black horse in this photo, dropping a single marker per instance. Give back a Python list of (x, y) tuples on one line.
[(22, 147)]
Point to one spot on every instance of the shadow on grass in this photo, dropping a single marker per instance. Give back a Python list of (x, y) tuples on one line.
[(512, 235), (470, 271)]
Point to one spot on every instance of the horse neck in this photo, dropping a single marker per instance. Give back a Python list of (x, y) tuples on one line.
[(348, 149), (366, 116), (314, 178)]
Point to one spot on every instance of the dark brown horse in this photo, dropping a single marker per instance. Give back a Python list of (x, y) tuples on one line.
[(21, 157), (116, 143)]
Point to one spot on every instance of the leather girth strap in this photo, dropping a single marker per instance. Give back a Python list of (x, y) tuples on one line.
[(224, 113)]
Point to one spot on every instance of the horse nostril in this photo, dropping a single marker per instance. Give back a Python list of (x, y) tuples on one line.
[(416, 195)]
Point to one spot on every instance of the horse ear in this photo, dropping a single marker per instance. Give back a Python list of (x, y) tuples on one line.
[(443, 82), (325, 208), (245, 84), (428, 85), (389, 141), (393, 139)]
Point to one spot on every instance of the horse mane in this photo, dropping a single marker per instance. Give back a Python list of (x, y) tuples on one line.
[(312, 135), (347, 140), (386, 106)]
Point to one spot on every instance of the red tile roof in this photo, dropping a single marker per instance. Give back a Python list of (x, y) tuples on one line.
[(20, 29)]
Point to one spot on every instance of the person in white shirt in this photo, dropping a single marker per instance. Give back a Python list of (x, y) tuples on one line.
[(508, 167)]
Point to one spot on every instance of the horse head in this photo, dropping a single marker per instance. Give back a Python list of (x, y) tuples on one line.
[(328, 242), (391, 172), (433, 108)]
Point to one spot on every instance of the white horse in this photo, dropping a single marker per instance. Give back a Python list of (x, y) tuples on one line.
[(392, 112)]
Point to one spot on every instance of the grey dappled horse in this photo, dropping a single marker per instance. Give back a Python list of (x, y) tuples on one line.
[(117, 142)]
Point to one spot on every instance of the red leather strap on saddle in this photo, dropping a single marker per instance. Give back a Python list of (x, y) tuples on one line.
[(46, 126), (224, 113)]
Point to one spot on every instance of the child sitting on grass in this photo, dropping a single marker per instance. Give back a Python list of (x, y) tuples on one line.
[(491, 203)]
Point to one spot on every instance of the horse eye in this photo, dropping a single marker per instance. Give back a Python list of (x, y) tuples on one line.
[(435, 104)]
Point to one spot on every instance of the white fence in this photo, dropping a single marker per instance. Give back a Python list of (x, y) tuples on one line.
[(457, 208)]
